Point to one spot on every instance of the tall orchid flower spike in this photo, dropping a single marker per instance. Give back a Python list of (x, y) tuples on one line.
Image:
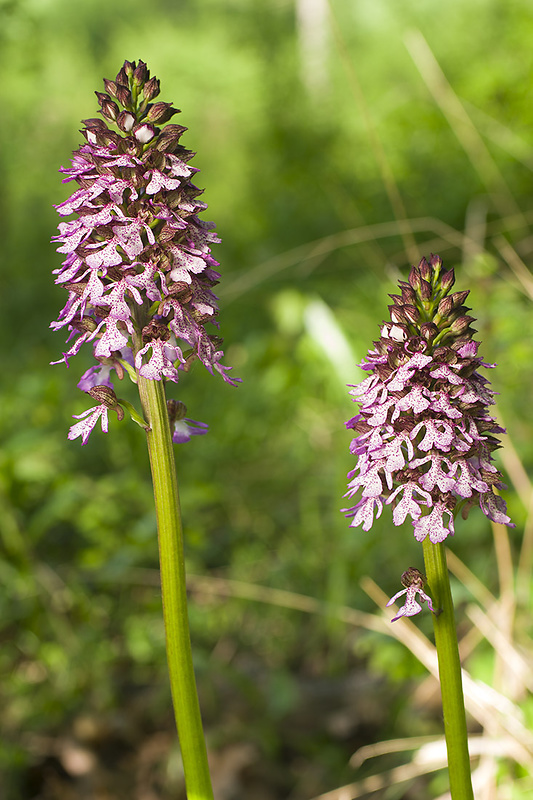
[(138, 266), (424, 443), (424, 433), (140, 275)]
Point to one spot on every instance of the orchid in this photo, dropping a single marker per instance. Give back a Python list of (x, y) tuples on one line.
[(424, 435), (138, 266)]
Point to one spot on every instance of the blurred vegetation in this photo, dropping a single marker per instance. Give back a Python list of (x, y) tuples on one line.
[(333, 154)]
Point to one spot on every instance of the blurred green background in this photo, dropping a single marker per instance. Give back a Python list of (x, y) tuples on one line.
[(336, 146)]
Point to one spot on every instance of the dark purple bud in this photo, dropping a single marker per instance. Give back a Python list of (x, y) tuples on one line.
[(411, 314), (140, 74), (458, 298), (426, 272), (110, 87), (151, 89), (428, 331), (436, 262), (445, 307), (461, 324), (425, 290), (169, 138), (161, 112), (414, 278), (108, 106), (129, 68), (123, 95), (122, 77), (408, 295), (447, 280)]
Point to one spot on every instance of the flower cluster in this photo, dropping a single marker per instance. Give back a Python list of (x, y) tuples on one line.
[(138, 266), (424, 435)]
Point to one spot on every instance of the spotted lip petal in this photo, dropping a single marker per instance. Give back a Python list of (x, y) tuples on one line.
[(424, 435)]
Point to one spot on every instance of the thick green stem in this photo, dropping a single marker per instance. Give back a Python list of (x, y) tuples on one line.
[(453, 706), (179, 654)]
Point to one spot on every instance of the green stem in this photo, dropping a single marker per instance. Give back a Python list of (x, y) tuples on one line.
[(172, 564), (453, 706)]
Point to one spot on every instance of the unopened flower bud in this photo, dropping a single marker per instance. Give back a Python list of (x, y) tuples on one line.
[(458, 298), (108, 106), (151, 89), (110, 87), (144, 133), (426, 272), (411, 313), (445, 307), (447, 280), (126, 72), (436, 263), (140, 74), (414, 278), (160, 113), (124, 96), (460, 325), (125, 121), (428, 331), (408, 295), (425, 290)]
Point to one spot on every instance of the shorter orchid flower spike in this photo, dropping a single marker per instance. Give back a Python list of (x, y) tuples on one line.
[(414, 582), (182, 427)]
